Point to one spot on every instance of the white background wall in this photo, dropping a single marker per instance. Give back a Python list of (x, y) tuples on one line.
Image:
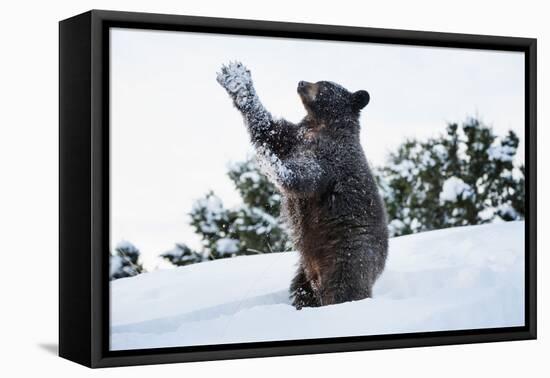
[(29, 186)]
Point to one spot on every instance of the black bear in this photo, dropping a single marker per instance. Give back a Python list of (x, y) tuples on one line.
[(330, 199)]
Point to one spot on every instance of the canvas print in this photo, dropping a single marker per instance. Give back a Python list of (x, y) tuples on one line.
[(269, 189)]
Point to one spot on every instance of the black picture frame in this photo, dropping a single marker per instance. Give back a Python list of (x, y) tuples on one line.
[(84, 187)]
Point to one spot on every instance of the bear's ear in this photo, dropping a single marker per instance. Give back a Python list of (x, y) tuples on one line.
[(360, 100)]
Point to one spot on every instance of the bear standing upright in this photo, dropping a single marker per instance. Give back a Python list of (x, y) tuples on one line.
[(330, 200)]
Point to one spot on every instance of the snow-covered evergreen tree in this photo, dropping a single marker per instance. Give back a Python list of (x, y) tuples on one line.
[(466, 176), (251, 228), (124, 261), (181, 255)]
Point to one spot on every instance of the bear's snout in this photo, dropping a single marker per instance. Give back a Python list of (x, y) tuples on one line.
[(307, 90)]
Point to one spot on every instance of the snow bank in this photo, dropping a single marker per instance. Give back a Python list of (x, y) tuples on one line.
[(459, 278)]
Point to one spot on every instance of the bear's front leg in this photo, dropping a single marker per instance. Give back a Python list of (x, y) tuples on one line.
[(266, 133), (237, 81)]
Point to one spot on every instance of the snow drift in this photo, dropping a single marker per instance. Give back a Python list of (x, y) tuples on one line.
[(459, 278)]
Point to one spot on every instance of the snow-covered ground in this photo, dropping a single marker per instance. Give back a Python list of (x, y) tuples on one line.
[(459, 278)]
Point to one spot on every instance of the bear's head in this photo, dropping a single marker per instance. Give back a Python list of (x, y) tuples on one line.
[(326, 101)]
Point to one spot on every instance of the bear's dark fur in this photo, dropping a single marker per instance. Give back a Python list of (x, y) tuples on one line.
[(330, 198)]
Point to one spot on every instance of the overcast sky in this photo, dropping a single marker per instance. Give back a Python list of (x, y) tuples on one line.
[(174, 129)]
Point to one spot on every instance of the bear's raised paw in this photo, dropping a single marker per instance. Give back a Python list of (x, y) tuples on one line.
[(235, 78)]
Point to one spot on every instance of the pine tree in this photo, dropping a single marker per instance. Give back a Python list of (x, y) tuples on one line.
[(181, 255), (124, 261), (466, 176), (251, 228)]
